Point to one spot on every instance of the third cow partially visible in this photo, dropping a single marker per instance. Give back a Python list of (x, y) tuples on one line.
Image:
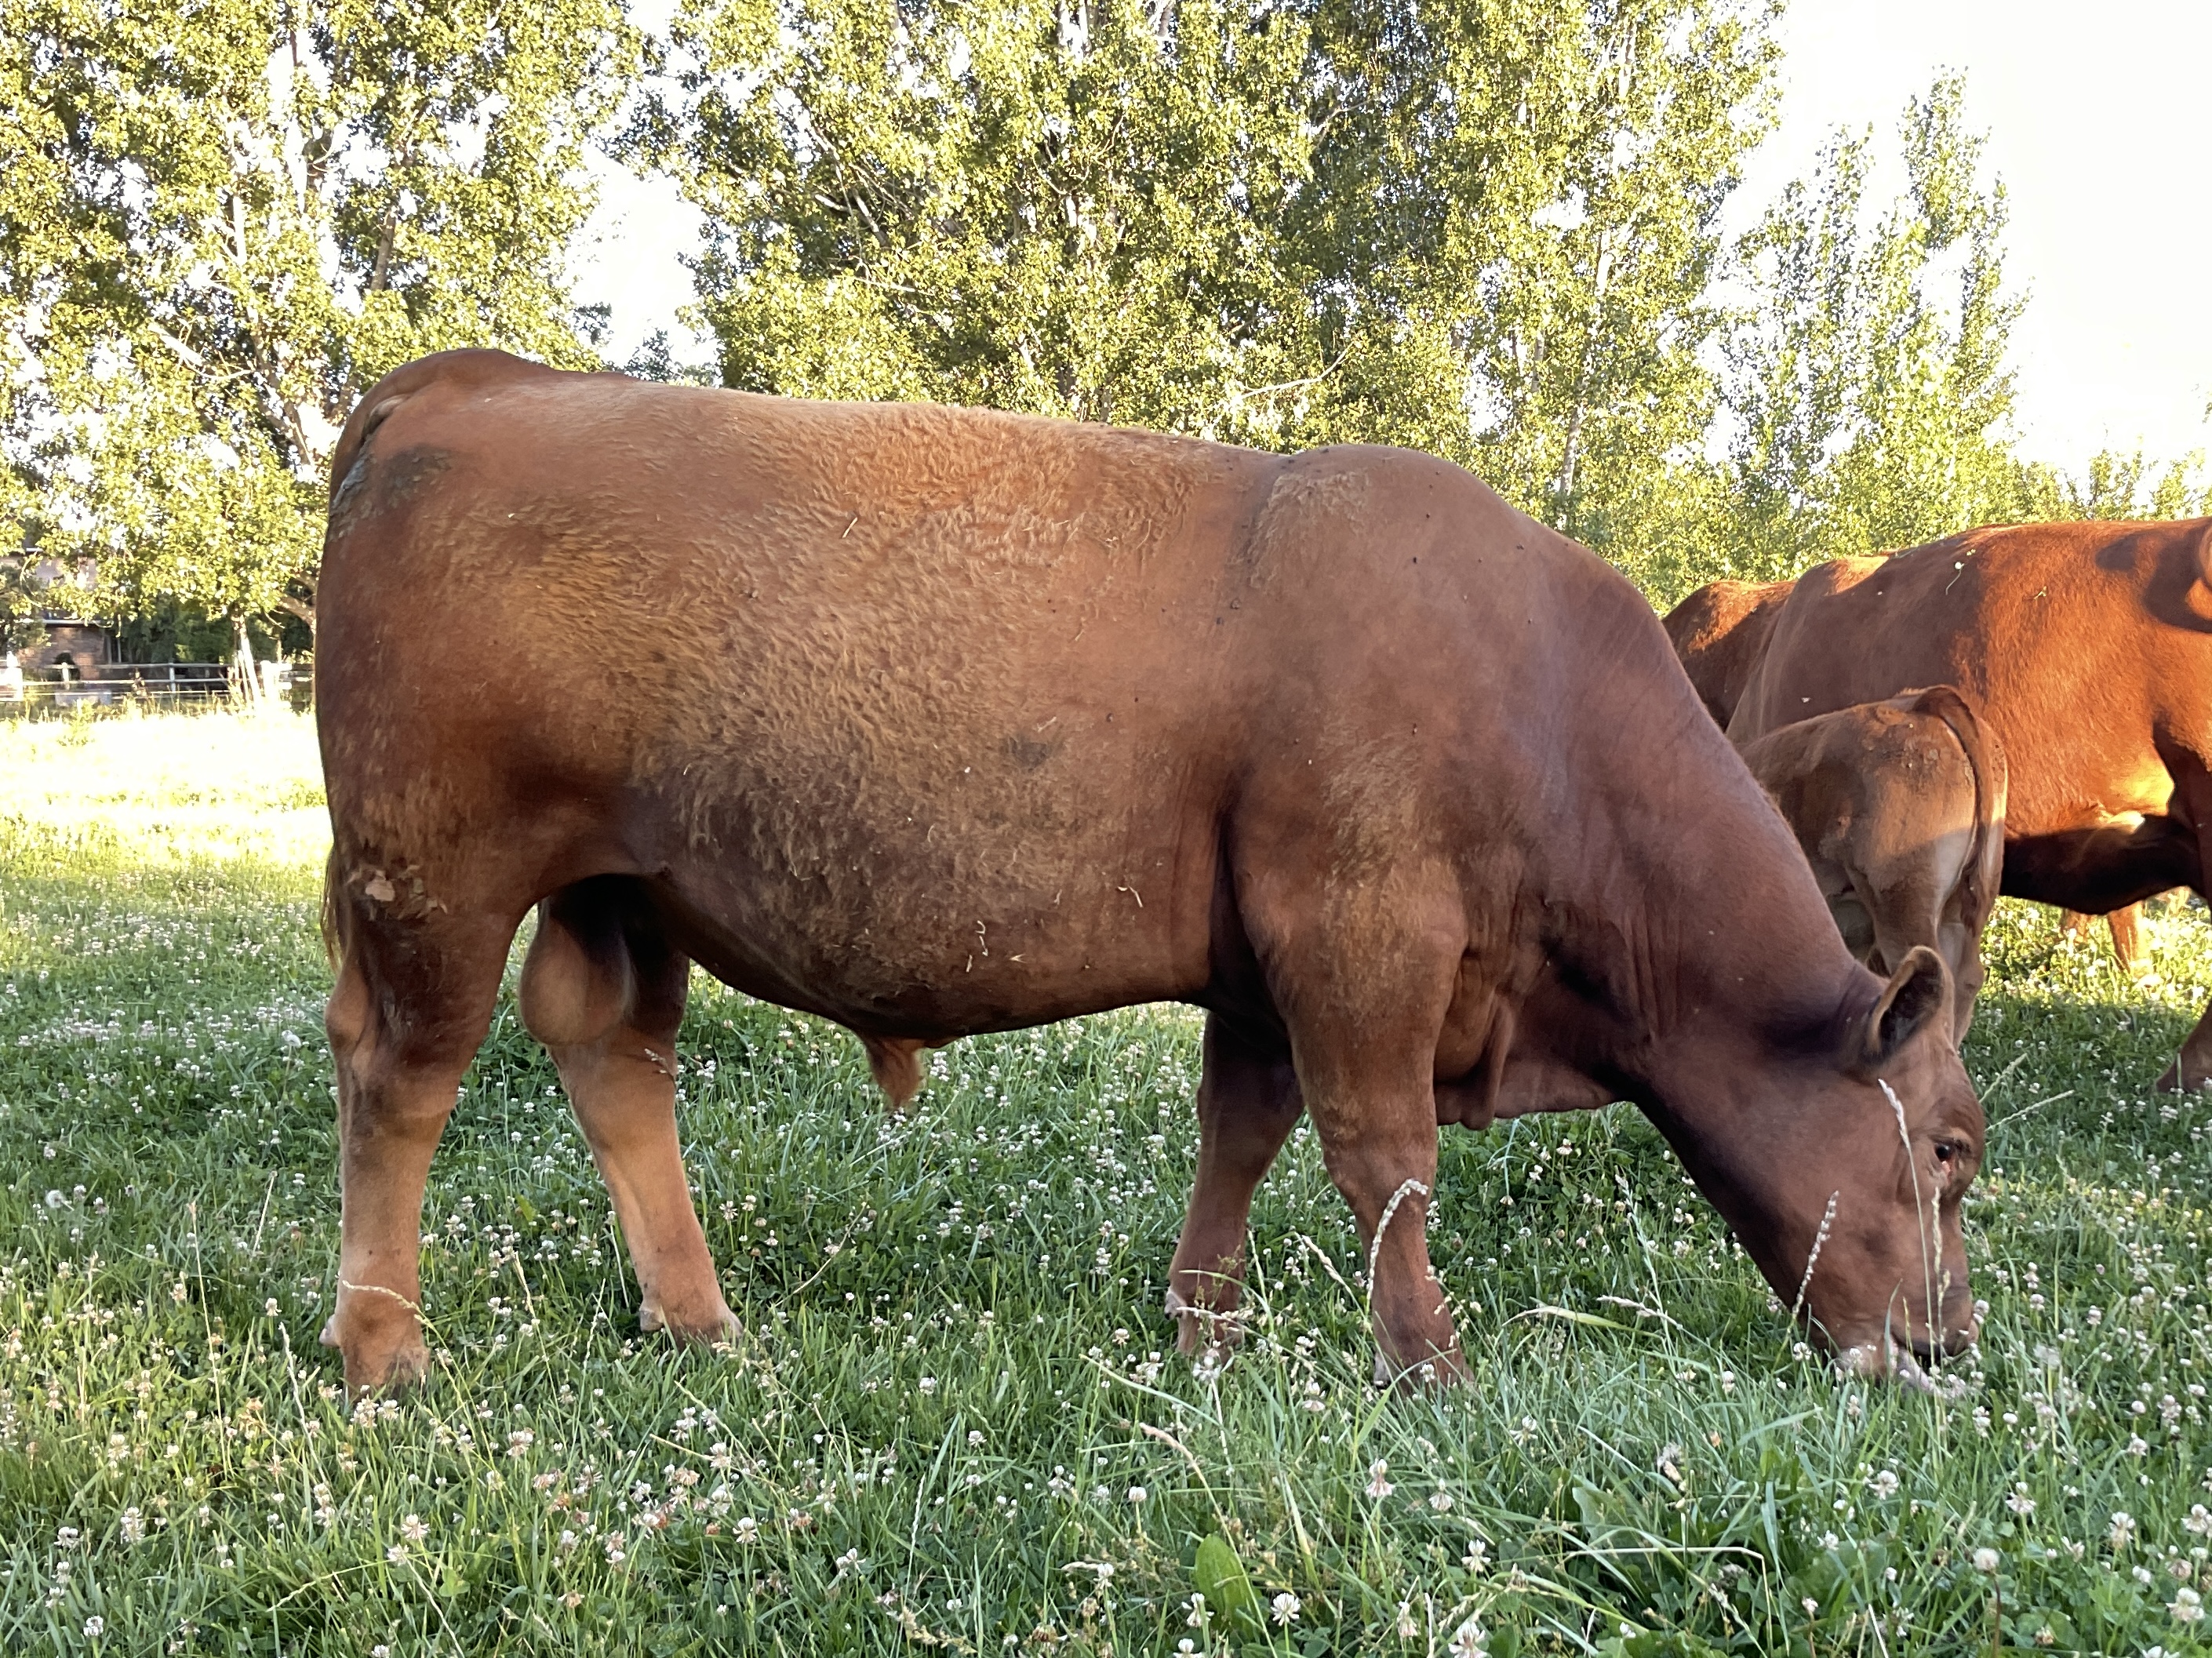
[(1899, 807)]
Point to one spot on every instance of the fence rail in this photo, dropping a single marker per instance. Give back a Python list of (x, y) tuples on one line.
[(110, 684)]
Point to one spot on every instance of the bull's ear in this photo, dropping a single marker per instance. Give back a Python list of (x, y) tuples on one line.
[(1918, 994)]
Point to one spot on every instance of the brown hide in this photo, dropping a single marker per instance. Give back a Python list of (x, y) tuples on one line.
[(933, 721), (1899, 807), (1719, 633), (2087, 650)]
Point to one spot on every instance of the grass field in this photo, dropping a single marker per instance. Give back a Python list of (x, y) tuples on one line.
[(954, 1422)]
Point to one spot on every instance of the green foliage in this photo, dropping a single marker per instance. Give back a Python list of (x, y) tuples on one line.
[(1485, 229), (1869, 386), (220, 223)]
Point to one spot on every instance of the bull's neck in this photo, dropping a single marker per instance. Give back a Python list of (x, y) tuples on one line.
[(1704, 928)]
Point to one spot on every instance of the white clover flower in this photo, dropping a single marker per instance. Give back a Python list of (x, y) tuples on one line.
[(1137, 1494), (1883, 1485), (95, 1626), (2187, 1605), (414, 1530), (1378, 1484), (1985, 1560), (1285, 1607), (2123, 1528), (1476, 1559), (2199, 1522), (1442, 1503), (927, 1384), (746, 1530), (1470, 1640), (133, 1526), (396, 1554), (2020, 1502)]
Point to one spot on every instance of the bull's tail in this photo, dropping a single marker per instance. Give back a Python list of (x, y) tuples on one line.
[(334, 913), (1985, 758)]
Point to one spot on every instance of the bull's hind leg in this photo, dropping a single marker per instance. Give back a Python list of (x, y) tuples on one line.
[(2192, 1067), (1248, 1100), (602, 989), (413, 1000)]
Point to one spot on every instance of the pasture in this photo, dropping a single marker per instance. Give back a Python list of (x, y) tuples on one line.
[(955, 1422)]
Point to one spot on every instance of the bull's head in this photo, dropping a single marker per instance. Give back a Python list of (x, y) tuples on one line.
[(1848, 1193)]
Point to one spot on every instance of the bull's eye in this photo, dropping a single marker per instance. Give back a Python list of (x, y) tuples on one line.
[(1945, 1150)]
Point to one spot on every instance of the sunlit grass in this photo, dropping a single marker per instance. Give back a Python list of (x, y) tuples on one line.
[(955, 1422)]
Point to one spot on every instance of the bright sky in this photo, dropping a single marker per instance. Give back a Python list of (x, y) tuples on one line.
[(2097, 122), (2097, 125)]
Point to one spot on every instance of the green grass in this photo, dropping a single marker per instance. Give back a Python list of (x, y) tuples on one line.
[(955, 1422)]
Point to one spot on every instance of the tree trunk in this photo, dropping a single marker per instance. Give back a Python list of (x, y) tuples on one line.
[(249, 677)]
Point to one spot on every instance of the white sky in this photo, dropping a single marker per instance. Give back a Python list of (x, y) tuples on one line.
[(2098, 124)]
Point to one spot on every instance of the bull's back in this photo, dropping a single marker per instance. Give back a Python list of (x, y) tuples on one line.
[(925, 705)]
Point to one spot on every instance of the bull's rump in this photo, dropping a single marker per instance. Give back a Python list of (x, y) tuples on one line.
[(923, 717)]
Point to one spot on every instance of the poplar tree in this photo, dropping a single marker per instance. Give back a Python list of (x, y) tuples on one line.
[(221, 222), (1483, 228), (1870, 391)]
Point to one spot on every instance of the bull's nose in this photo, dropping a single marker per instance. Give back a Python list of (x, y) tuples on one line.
[(1961, 1329)]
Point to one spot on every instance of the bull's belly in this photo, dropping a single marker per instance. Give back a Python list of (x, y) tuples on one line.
[(919, 951), (2101, 866)]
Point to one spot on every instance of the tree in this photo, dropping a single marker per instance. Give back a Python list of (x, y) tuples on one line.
[(220, 223), (1485, 227), (1870, 392)]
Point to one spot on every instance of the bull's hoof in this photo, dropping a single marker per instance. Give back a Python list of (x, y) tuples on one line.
[(1205, 1334), (2173, 1081), (695, 1323), (1443, 1370), (380, 1367), (382, 1354)]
